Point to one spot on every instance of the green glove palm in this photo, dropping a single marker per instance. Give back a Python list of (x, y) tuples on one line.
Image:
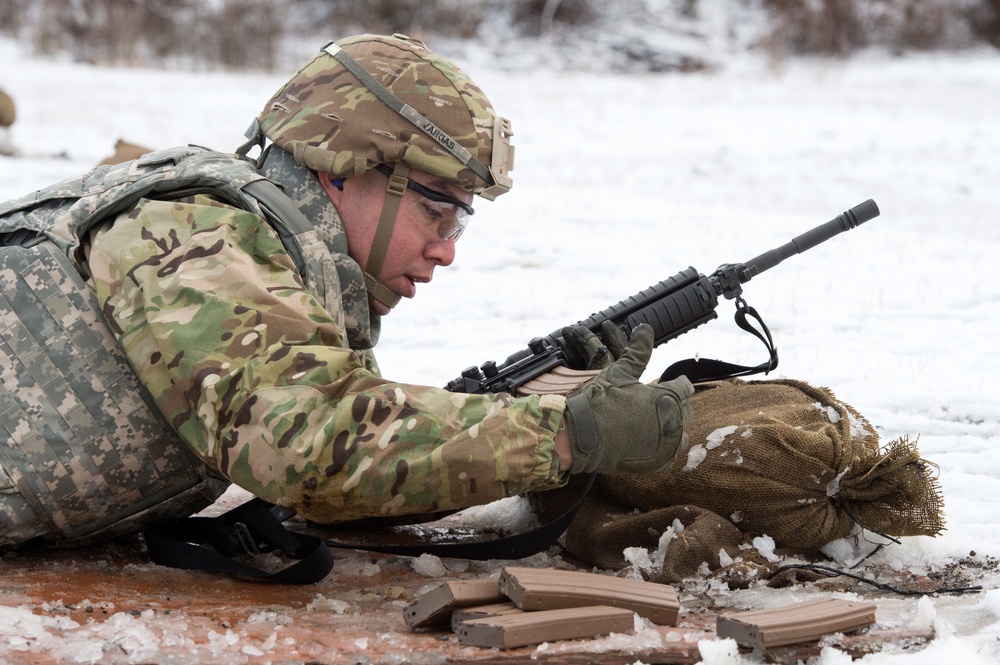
[(619, 425)]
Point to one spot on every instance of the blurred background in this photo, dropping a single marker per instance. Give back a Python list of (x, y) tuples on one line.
[(591, 35)]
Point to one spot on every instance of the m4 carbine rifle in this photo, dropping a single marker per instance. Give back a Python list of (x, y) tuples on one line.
[(672, 307)]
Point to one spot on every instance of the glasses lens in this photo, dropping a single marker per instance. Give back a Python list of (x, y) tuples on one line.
[(448, 219), (448, 213)]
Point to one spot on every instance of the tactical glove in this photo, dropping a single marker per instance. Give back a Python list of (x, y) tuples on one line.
[(591, 351), (619, 425)]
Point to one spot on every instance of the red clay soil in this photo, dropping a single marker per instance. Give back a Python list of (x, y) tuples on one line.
[(110, 605)]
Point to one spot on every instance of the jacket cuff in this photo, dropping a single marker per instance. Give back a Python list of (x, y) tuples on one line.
[(582, 433)]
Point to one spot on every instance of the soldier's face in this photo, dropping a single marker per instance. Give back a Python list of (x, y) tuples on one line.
[(416, 247)]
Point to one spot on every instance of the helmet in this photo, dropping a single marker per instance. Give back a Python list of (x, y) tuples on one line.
[(370, 100)]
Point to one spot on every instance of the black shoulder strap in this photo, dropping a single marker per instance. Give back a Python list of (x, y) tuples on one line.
[(514, 546), (247, 529), (699, 370), (211, 543)]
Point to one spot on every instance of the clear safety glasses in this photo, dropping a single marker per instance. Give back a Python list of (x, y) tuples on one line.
[(448, 214)]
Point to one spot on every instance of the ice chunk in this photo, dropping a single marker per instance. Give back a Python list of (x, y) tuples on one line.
[(831, 412), (323, 604), (429, 565), (696, 455), (717, 437), (765, 545)]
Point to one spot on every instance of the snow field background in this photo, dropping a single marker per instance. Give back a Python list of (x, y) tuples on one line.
[(622, 181)]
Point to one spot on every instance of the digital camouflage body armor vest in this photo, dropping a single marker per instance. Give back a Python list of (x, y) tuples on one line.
[(85, 455)]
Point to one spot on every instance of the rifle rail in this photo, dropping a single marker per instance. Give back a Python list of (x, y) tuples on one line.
[(672, 307)]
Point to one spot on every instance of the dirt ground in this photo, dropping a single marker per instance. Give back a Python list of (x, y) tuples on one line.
[(108, 604)]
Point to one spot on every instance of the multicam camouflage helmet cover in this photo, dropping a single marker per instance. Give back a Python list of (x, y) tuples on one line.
[(370, 100)]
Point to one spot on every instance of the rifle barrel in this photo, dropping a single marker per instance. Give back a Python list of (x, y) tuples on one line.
[(845, 221)]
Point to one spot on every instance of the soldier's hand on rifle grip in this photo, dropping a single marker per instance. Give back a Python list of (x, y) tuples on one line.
[(617, 424)]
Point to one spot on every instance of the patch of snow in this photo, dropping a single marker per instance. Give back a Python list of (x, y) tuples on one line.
[(696, 455), (765, 545), (831, 412), (717, 437)]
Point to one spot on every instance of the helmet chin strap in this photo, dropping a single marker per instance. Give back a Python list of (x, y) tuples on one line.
[(383, 233)]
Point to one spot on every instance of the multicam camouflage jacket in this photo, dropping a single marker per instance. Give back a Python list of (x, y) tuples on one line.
[(253, 338)]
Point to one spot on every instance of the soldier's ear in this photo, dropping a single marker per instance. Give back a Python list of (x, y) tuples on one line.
[(333, 188)]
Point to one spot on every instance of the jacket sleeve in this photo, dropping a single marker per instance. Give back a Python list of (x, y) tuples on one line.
[(257, 378)]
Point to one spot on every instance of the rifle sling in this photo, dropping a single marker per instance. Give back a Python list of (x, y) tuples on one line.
[(701, 370), (514, 546), (211, 543)]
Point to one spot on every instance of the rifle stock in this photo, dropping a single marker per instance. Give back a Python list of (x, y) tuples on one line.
[(672, 307)]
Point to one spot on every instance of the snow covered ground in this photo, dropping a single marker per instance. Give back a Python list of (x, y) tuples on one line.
[(622, 181)]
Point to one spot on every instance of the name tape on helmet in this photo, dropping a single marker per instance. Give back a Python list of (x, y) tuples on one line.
[(422, 123)]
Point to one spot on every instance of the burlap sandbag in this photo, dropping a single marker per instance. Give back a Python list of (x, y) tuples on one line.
[(607, 528), (789, 460), (124, 152), (778, 458), (8, 112)]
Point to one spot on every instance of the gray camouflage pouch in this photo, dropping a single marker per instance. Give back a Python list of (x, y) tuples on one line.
[(84, 454)]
